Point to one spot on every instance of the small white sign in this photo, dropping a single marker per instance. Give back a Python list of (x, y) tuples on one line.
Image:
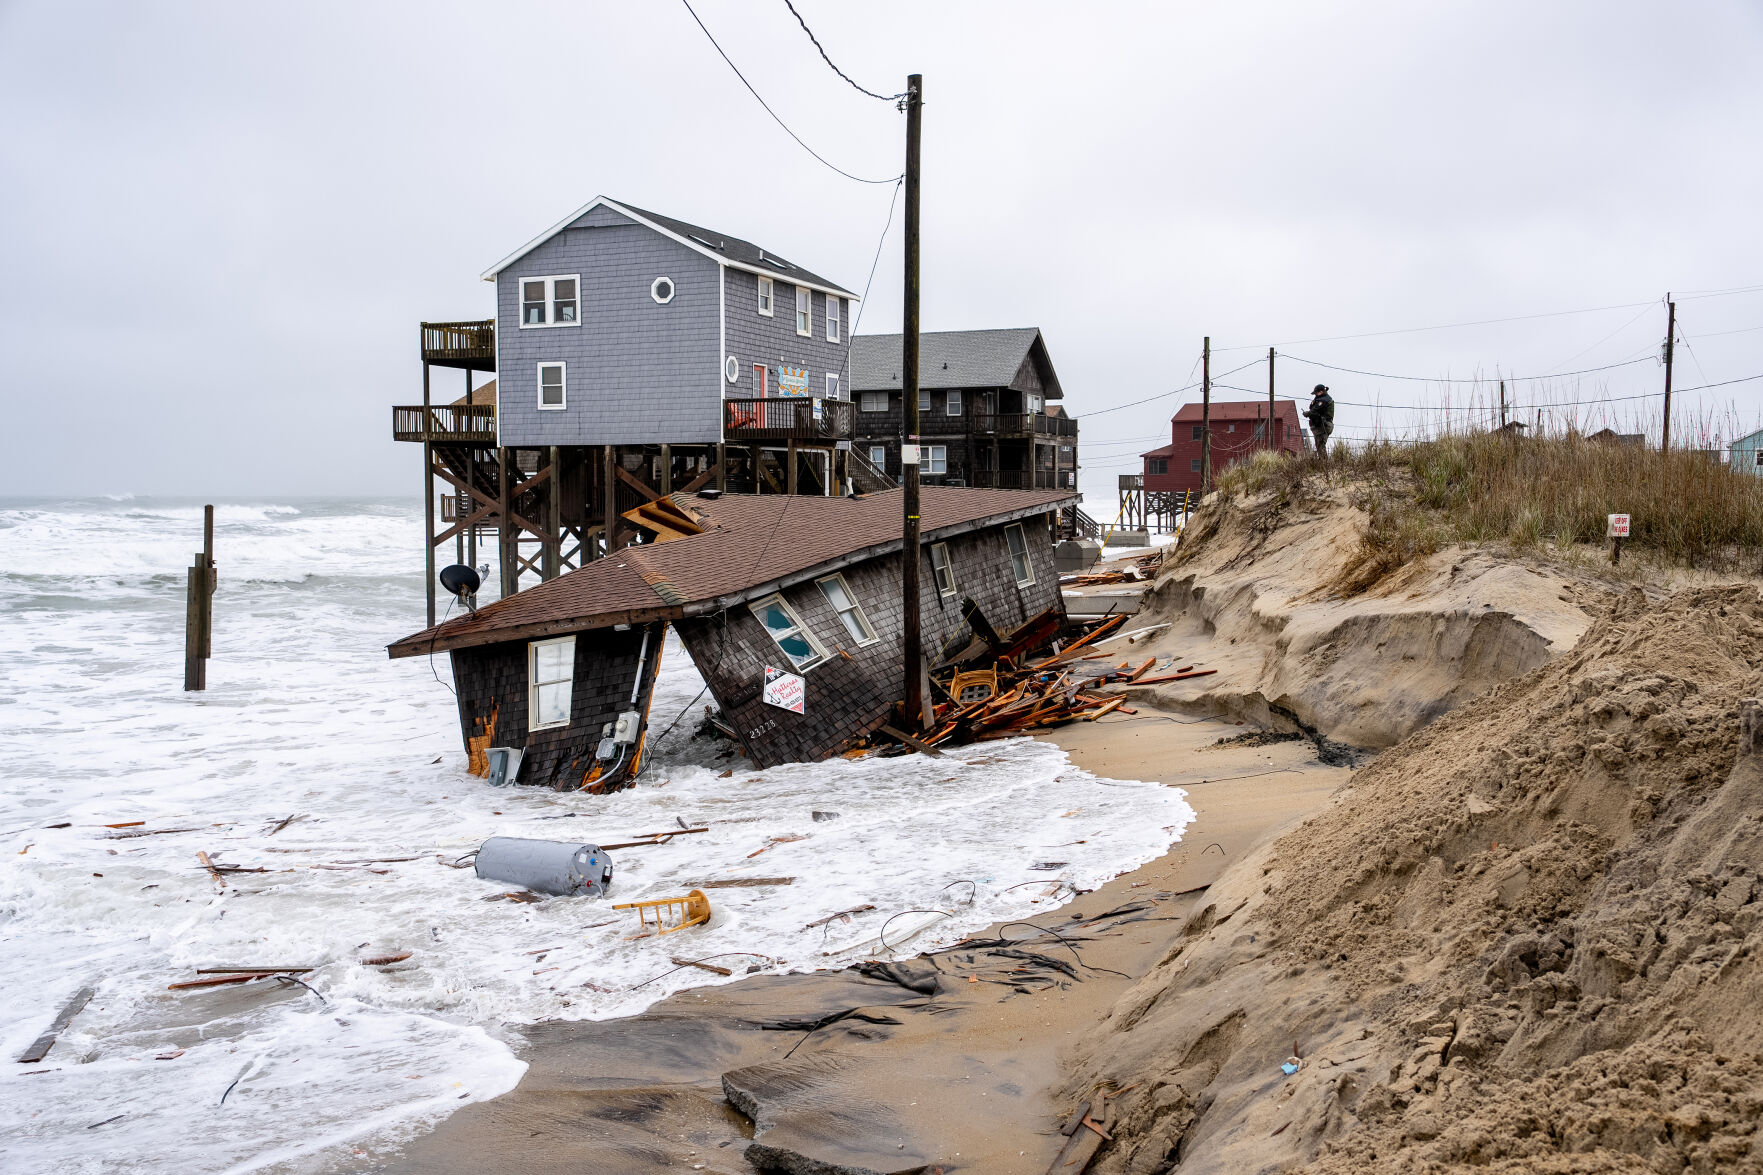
[(1616, 526), (909, 454), (786, 691)]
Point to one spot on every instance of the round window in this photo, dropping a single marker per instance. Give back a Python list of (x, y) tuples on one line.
[(731, 369), (662, 290)]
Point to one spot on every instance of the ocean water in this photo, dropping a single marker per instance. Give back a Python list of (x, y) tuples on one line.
[(305, 717)]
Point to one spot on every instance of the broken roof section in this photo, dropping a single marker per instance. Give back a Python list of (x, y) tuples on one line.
[(729, 250), (749, 546), (954, 359)]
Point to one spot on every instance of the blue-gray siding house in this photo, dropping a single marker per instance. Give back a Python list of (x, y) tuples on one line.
[(619, 326), (1747, 454)]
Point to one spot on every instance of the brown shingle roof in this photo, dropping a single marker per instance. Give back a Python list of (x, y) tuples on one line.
[(751, 544)]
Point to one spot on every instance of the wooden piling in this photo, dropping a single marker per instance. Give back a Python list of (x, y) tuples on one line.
[(199, 609)]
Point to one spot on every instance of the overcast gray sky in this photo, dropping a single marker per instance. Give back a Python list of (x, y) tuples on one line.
[(221, 223)]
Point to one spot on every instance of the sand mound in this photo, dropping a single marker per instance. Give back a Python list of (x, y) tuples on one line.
[(1270, 589), (1526, 938)]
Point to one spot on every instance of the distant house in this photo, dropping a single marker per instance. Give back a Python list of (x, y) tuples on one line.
[(1239, 430), (756, 586), (1609, 436), (986, 405), (1747, 454)]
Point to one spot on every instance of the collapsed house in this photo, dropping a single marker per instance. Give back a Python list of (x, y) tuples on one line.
[(789, 605)]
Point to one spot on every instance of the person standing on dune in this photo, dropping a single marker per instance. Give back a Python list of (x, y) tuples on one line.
[(1320, 414)]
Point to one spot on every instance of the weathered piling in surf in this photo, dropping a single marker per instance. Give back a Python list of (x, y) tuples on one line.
[(199, 609)]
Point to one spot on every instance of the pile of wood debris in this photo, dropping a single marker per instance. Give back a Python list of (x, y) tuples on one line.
[(1139, 570)]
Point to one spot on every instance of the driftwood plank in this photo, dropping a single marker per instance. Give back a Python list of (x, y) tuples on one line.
[(41, 1046)]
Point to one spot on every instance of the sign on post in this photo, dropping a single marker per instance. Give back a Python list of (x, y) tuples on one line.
[(786, 691), (909, 454), (1616, 526)]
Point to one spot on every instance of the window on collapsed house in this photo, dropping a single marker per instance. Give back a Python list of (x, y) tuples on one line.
[(832, 319), (787, 629), (941, 570), (1194, 465), (804, 318), (872, 402), (550, 672), (765, 296), (1019, 561), (549, 301), (838, 594), (1157, 466), (552, 388), (935, 458), (878, 456), (951, 403)]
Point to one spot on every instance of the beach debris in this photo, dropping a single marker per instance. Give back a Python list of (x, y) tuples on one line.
[(1086, 1134), (656, 914), (281, 824), (823, 817), (132, 833), (564, 868), (218, 980), (173, 1055), (385, 960), (127, 824), (923, 982), (841, 916), (1172, 677), (519, 895), (217, 970), (219, 881), (773, 841), (107, 1122), (746, 882), (645, 839), (702, 966), (40, 1047)]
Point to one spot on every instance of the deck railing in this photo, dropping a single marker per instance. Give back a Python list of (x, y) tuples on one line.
[(1019, 424), (460, 344), (445, 423), (787, 418), (1017, 479)]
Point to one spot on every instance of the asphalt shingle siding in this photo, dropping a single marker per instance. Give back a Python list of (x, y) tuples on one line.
[(637, 372), (848, 696), (753, 338)]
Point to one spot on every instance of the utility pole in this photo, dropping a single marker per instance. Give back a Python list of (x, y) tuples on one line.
[(1205, 415), (1502, 403), (909, 548), (1670, 337), (1270, 399)]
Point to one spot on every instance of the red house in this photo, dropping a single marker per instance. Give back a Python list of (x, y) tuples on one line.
[(1239, 430)]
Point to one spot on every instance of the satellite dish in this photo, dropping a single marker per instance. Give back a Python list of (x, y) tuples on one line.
[(460, 580)]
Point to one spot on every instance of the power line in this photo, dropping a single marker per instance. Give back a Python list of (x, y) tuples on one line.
[(774, 115), (882, 240), (1177, 391), (829, 61), (1428, 379), (1511, 407)]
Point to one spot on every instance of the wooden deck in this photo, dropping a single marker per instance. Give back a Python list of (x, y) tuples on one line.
[(455, 424), (467, 345), (1018, 424), (787, 418)]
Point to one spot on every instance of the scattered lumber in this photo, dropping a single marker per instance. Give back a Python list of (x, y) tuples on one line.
[(701, 966), (1171, 677), (41, 1046), (746, 882)]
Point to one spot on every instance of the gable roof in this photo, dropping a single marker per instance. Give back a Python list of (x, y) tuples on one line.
[(954, 359), (730, 251), (1237, 410), (752, 545)]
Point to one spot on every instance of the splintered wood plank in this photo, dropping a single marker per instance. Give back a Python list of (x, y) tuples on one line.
[(41, 1046)]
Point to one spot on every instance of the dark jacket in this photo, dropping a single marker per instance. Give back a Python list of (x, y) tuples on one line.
[(1320, 414)]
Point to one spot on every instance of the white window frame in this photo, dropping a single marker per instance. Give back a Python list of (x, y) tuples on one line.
[(533, 683), (865, 399), (869, 637), (767, 297), (878, 457), (936, 459), (1035, 404), (550, 300), (539, 375), (804, 311), (942, 571), (923, 401), (1025, 572), (800, 629), (952, 403), (655, 290), (832, 318), (832, 386)]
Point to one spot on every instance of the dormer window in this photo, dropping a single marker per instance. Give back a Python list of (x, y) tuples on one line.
[(804, 324), (765, 296), (832, 319), (550, 301)]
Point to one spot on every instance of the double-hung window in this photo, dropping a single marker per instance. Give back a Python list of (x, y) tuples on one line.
[(1199, 432), (1020, 566), (936, 459), (832, 319), (787, 629), (765, 296), (951, 403), (924, 401), (804, 318), (878, 402), (838, 594), (941, 570), (1157, 466), (832, 386), (878, 457), (553, 391), (550, 672), (1034, 405), (549, 301)]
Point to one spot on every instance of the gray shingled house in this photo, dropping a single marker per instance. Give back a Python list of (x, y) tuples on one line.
[(755, 585), (988, 409)]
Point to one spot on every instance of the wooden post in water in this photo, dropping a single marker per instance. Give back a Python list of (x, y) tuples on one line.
[(199, 609)]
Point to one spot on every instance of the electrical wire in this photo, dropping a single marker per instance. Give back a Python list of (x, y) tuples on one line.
[(868, 281), (774, 114), (1431, 379), (829, 61), (1177, 391)]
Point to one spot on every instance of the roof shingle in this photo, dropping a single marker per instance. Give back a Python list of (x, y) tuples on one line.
[(950, 359)]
